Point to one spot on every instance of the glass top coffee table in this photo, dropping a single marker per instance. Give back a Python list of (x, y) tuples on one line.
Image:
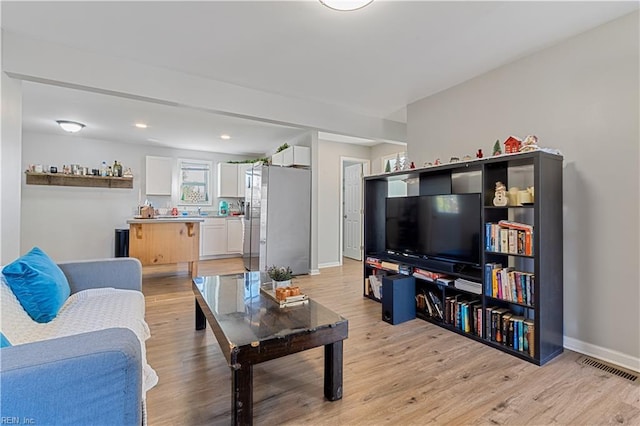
[(251, 327)]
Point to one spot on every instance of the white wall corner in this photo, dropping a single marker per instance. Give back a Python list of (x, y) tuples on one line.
[(604, 354)]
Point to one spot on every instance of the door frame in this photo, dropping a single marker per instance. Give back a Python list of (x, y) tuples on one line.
[(366, 166)]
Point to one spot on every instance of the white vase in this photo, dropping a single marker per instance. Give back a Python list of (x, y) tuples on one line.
[(280, 284)]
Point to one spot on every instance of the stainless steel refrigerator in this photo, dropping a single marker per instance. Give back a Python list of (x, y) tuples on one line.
[(277, 220)]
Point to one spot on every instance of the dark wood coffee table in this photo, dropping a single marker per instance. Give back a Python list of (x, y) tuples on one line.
[(252, 328)]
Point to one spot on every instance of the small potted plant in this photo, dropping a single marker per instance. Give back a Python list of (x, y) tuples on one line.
[(281, 276)]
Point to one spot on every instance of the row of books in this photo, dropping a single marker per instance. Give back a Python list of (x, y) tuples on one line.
[(390, 266), (463, 314), (514, 331), (509, 237), (429, 304), (509, 284)]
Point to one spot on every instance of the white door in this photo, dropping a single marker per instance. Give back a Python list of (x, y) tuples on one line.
[(352, 211)]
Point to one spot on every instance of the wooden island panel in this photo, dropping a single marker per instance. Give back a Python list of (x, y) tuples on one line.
[(159, 243)]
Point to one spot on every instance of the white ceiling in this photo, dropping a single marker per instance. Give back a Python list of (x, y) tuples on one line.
[(373, 61)]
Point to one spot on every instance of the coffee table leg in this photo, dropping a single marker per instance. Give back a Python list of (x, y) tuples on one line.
[(242, 395), (333, 371), (201, 321)]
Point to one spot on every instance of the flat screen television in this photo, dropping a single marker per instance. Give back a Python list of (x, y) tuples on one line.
[(442, 227)]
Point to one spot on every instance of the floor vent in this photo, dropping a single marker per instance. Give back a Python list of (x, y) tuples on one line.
[(610, 368)]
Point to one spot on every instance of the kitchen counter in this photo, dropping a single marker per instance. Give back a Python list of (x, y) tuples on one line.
[(168, 240)]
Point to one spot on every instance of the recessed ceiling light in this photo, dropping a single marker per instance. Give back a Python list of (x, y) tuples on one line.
[(345, 5), (141, 126), (225, 137), (70, 126)]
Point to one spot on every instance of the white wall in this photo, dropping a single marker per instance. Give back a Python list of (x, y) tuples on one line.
[(77, 222), (329, 187), (10, 165), (582, 97), (380, 150)]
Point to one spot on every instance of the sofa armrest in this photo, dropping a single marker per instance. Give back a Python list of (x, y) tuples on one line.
[(120, 272), (90, 378)]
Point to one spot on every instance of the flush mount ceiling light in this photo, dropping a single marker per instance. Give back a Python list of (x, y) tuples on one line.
[(225, 137), (141, 126), (70, 126), (345, 5)]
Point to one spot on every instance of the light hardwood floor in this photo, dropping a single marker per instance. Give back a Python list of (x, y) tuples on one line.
[(411, 373)]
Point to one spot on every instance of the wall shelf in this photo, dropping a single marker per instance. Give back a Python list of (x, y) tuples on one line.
[(60, 179)]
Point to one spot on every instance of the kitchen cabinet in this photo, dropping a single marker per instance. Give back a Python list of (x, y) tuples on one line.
[(227, 180), (234, 236), (213, 239), (292, 156), (231, 179), (158, 175)]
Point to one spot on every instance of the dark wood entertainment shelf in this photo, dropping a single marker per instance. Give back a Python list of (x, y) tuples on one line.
[(60, 179), (539, 276)]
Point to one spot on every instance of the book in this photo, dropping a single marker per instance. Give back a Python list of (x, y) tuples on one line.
[(504, 240), (506, 333), (437, 305), (488, 276), (390, 266), (470, 286), (530, 336)]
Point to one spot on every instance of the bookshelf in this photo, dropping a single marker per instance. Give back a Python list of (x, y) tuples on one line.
[(528, 306)]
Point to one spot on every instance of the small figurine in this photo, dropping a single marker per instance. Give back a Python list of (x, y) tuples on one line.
[(479, 154), (466, 158), (454, 160), (398, 165), (387, 168), (128, 172), (512, 145), (530, 144), (427, 164), (500, 199), (437, 162), (497, 150), (412, 166)]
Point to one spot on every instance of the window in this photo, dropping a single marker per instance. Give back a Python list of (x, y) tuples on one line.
[(195, 183)]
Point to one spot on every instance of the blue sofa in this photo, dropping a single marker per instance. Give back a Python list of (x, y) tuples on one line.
[(89, 378)]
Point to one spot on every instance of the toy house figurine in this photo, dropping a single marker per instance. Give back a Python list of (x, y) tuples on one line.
[(512, 145)]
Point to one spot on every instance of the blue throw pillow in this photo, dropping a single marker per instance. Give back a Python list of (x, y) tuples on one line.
[(38, 283), (3, 341)]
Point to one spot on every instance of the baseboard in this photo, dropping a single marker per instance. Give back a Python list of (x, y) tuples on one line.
[(329, 265), (314, 272), (609, 355)]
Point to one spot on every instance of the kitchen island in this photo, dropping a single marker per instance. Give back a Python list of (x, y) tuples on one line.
[(166, 240)]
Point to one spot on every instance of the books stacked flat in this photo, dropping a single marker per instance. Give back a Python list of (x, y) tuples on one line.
[(466, 285)]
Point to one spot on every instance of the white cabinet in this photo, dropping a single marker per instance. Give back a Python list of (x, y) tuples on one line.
[(158, 175), (292, 156), (234, 236), (221, 236), (231, 179), (213, 237), (242, 178), (227, 180)]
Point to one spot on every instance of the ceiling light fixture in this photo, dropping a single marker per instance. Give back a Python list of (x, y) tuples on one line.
[(345, 5), (70, 126), (225, 137), (141, 126)]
